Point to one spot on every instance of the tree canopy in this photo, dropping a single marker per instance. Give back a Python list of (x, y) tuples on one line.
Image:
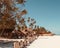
[(10, 13), (11, 17)]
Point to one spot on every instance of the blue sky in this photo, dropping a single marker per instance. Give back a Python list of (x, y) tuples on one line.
[(46, 13)]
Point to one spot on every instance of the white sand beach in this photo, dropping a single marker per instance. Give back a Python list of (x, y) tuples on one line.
[(40, 42), (46, 42)]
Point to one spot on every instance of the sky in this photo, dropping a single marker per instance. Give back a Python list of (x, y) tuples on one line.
[(46, 13)]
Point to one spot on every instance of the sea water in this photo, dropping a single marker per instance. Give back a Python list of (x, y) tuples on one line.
[(6, 45)]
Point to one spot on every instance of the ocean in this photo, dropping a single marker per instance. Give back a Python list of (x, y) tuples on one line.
[(6, 45)]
